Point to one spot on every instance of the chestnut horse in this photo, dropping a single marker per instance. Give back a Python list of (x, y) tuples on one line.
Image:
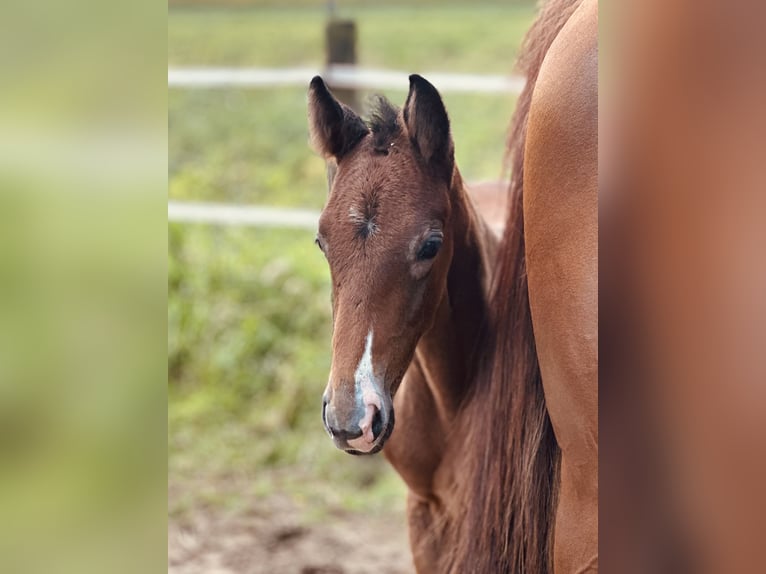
[(493, 382), (529, 492)]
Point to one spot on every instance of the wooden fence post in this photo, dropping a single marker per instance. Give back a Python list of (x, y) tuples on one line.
[(340, 48)]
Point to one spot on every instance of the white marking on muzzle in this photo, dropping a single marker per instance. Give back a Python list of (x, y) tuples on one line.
[(368, 393)]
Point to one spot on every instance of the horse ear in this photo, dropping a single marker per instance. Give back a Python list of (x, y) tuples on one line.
[(334, 128), (428, 125)]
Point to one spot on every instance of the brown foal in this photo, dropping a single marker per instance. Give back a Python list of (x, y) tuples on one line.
[(410, 263)]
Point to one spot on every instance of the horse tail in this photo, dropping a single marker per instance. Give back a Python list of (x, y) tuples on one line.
[(508, 486)]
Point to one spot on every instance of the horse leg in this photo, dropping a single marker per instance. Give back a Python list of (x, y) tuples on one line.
[(415, 450), (424, 531), (561, 233), (416, 446)]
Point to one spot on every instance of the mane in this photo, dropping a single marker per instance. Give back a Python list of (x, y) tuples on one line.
[(507, 489), (383, 123)]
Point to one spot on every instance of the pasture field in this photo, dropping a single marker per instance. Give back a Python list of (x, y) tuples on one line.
[(249, 309), (471, 37)]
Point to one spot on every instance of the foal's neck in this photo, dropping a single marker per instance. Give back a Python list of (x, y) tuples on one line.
[(446, 351)]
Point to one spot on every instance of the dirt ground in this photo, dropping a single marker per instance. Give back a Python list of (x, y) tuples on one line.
[(276, 539)]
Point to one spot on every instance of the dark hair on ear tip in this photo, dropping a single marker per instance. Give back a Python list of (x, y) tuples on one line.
[(428, 126), (335, 129)]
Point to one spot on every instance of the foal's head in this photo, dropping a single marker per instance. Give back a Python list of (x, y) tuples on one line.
[(386, 236)]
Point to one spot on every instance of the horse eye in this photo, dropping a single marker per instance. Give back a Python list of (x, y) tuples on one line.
[(319, 243), (429, 249)]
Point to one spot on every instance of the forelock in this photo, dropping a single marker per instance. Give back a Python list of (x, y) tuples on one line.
[(383, 123)]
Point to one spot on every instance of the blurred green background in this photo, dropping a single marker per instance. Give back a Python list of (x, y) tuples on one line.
[(249, 308)]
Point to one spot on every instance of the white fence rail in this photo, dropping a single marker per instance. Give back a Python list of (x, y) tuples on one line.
[(338, 76), (263, 216), (250, 215)]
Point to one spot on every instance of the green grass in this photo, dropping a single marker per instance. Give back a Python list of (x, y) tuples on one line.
[(319, 4), (243, 146), (249, 309), (471, 37), (248, 355)]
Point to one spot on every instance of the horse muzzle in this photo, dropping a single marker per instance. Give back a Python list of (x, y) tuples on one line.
[(365, 430)]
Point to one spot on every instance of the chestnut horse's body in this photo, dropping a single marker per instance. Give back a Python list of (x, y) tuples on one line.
[(496, 417), (561, 239)]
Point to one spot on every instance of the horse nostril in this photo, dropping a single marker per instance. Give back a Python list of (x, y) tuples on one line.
[(377, 424), (324, 417)]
